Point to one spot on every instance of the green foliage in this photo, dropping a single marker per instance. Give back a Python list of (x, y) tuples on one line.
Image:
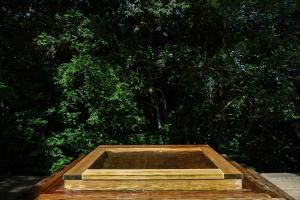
[(152, 72), (97, 104)]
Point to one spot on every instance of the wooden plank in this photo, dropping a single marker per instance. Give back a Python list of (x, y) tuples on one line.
[(152, 146), (225, 184), (141, 178), (165, 195), (50, 183), (250, 191), (75, 172), (288, 182), (230, 172), (94, 174), (258, 183), (158, 148), (152, 159)]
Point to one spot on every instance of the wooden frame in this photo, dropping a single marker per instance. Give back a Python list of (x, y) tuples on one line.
[(223, 176), (254, 187)]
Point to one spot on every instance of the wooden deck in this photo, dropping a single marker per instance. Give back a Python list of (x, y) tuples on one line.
[(13, 187), (288, 182), (255, 186)]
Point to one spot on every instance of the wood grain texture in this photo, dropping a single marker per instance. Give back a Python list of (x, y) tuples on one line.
[(251, 190), (288, 182), (75, 172), (230, 172), (134, 185), (151, 146), (156, 167), (259, 184), (153, 158), (94, 174), (154, 148), (163, 195), (50, 183)]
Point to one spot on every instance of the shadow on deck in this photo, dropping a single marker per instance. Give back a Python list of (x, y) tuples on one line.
[(12, 188)]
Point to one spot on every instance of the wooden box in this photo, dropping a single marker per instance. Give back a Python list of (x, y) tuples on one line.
[(153, 167)]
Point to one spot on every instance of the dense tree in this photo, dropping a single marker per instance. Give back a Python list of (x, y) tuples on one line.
[(76, 74)]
